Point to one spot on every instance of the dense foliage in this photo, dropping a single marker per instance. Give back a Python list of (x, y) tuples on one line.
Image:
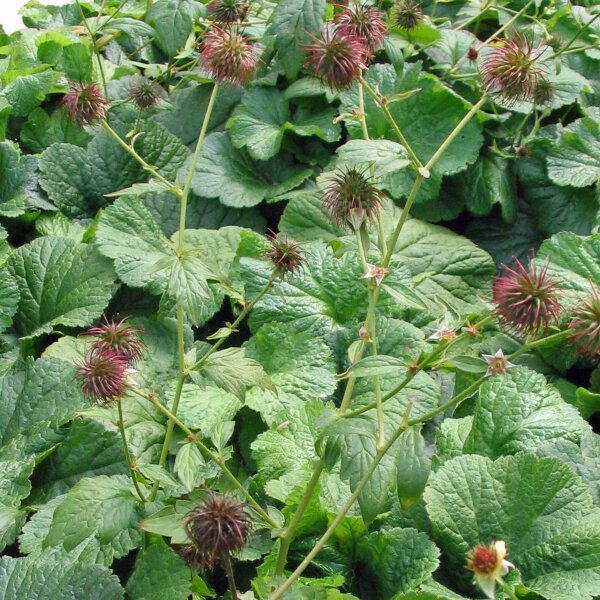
[(256, 335)]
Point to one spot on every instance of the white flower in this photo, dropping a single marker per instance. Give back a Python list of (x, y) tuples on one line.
[(443, 333), (489, 564), (497, 363), (378, 273)]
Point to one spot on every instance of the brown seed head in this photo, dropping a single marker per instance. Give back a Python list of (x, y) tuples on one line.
[(585, 325), (84, 103), (119, 337), (103, 375), (285, 255), (363, 21)]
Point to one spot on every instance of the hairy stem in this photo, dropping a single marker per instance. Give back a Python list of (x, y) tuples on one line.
[(95, 48), (136, 485), (230, 577)]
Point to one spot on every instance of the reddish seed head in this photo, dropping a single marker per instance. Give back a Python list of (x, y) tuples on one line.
[(217, 527), (352, 198), (119, 337), (285, 255), (408, 14), (526, 300), (84, 103), (365, 22), (228, 56), (512, 70), (585, 325), (336, 59), (103, 375), (228, 11)]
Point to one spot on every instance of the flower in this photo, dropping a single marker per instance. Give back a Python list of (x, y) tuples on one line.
[(377, 273), (285, 255), (144, 93), (444, 334), (585, 324), (352, 198), (512, 69), (84, 103), (363, 21), (497, 363), (228, 56), (408, 14), (336, 59), (119, 337), (104, 375), (217, 527), (489, 564), (228, 11), (526, 300)]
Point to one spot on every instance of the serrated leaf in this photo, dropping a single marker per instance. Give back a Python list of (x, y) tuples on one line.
[(471, 499), (11, 521), (385, 156), (159, 574), (60, 282), (26, 88), (188, 461), (17, 174), (374, 365), (172, 21), (413, 466), (143, 257), (169, 521)]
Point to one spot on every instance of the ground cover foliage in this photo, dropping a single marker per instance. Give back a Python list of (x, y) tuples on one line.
[(251, 341)]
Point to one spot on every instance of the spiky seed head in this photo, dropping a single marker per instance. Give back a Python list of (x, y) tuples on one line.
[(228, 11), (337, 60), (472, 54), (585, 325), (104, 375), (84, 103), (526, 299), (144, 93), (513, 70), (365, 22), (228, 56), (543, 93), (555, 42), (217, 527), (118, 336), (286, 255), (352, 198), (408, 14)]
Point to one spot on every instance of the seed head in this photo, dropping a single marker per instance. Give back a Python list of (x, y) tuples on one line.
[(488, 564), (84, 103), (526, 300), (119, 337), (352, 198), (512, 70), (217, 527), (285, 255), (228, 56), (366, 22), (585, 324), (408, 14), (523, 152), (144, 93), (104, 375), (228, 11), (543, 92), (336, 59)]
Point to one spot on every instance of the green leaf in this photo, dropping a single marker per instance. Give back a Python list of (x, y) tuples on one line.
[(17, 176), (307, 122), (517, 412), (299, 365), (9, 299), (413, 466), (374, 365), (169, 521), (100, 507), (258, 122), (384, 155), (44, 390), (471, 500), (397, 559), (159, 574), (290, 24), (36, 529), (233, 372), (11, 521), (143, 257), (575, 159), (52, 576), (60, 282), (172, 20), (229, 174), (26, 88), (188, 462)]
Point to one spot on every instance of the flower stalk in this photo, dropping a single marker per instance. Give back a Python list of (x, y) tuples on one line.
[(136, 484)]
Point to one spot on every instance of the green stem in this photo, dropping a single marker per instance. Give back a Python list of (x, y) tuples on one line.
[(146, 166), (576, 36), (219, 460), (388, 115), (361, 251), (96, 51), (142, 498), (506, 588), (232, 327), (188, 183), (230, 577)]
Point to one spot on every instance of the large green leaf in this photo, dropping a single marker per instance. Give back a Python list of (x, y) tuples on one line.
[(26, 88), (398, 560), (517, 412), (52, 576), (60, 282), (103, 508), (538, 506), (299, 365), (229, 174), (172, 20), (17, 175), (143, 257)]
